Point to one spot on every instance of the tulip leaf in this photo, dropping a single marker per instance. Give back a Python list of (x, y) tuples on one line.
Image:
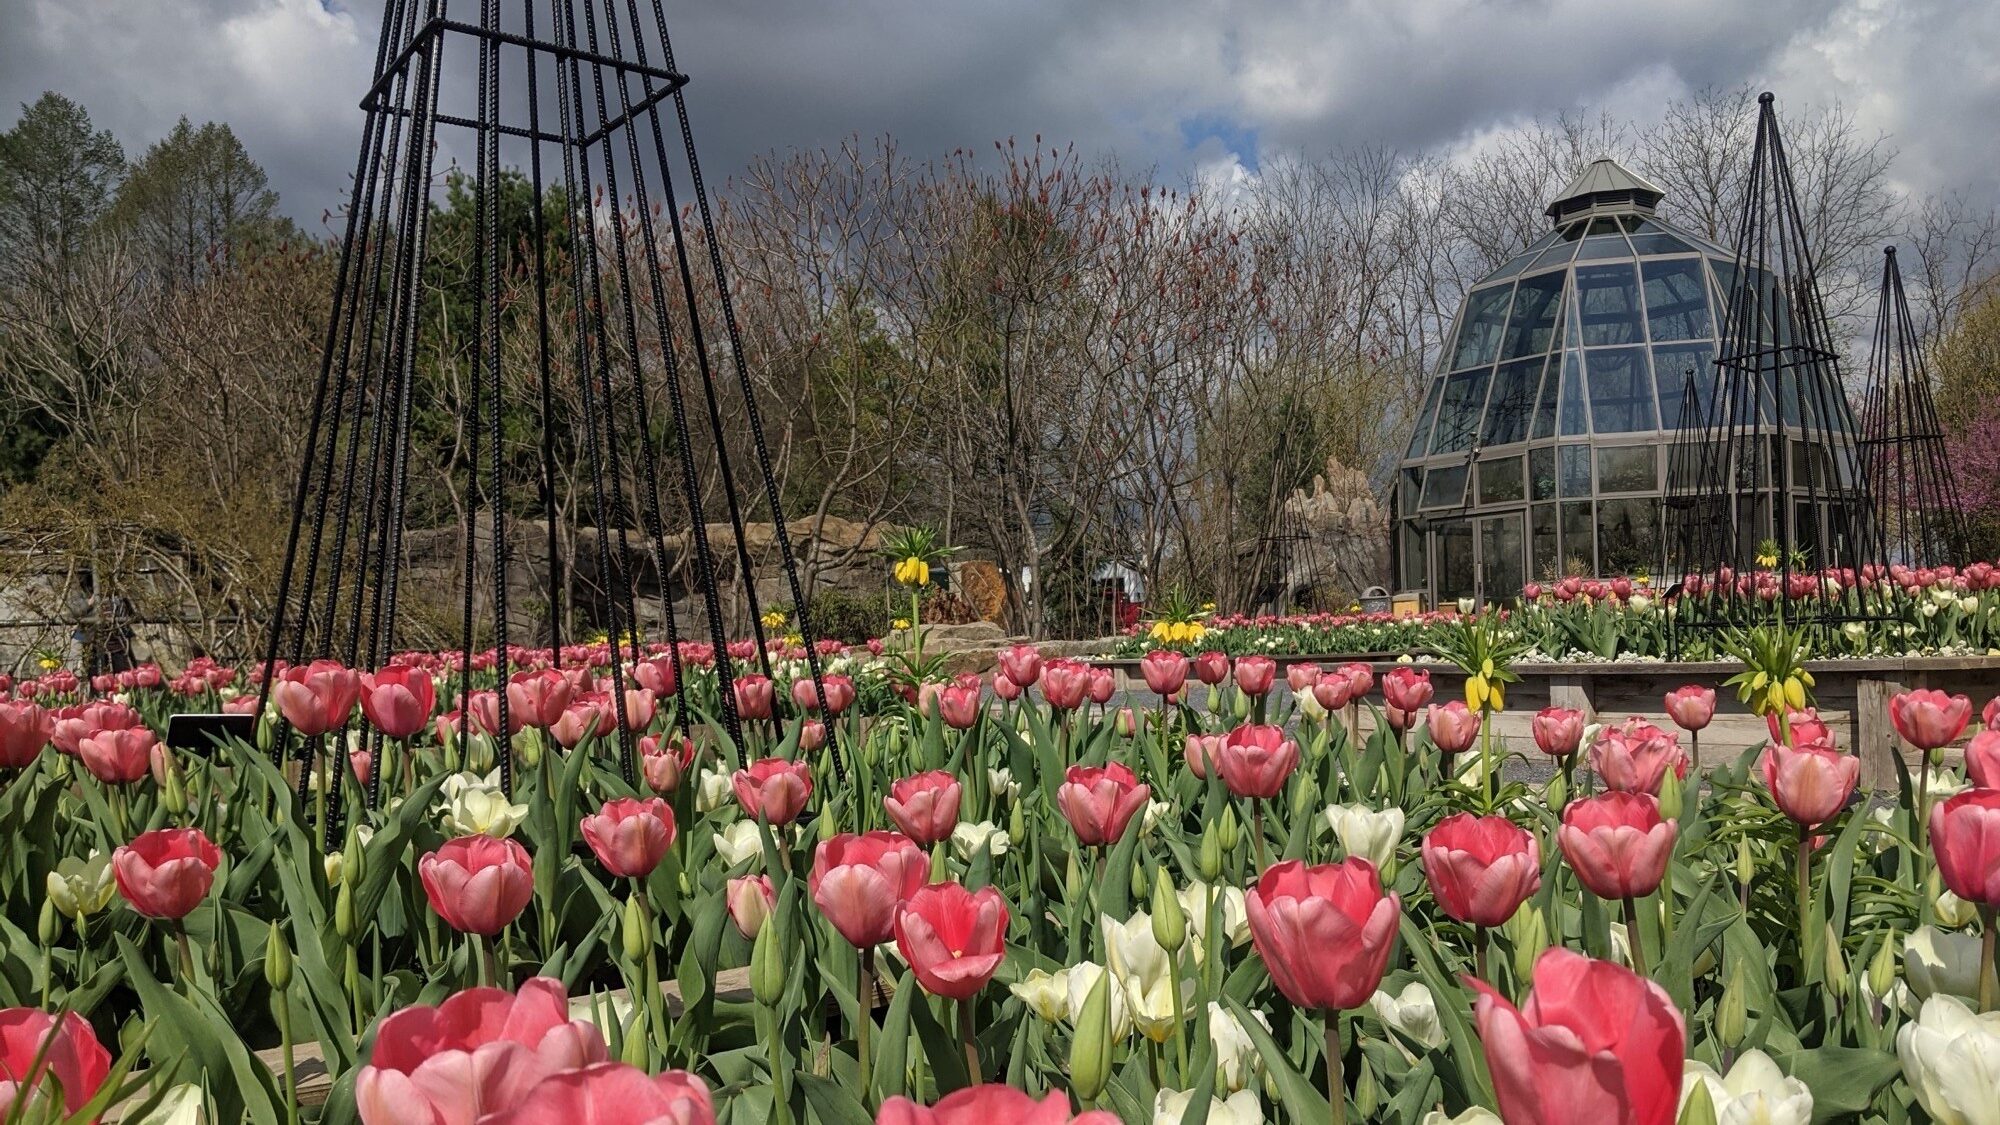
[(1454, 1012), (892, 1049), (940, 1046), (243, 1087), (1843, 1080), (1295, 1090), (832, 1102)]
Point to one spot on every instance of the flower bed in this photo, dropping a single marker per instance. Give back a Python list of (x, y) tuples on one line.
[(1036, 909)]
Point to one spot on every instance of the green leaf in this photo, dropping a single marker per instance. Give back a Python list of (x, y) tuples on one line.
[(244, 1088), (833, 1103), (1843, 1080), (1295, 1090), (1454, 1012)]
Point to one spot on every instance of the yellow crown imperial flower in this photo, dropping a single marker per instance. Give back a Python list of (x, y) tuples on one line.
[(913, 571)]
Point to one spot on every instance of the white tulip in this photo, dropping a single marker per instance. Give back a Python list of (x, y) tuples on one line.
[(715, 791), (1240, 1108), (1755, 1092), (1935, 961), (1954, 912), (1236, 1057), (182, 1105), (1477, 1115), (1309, 706), (1412, 1011), (1046, 994), (1235, 919), (1951, 1058), (1143, 971), (1082, 978), (461, 782), (968, 840), (738, 842), (478, 811), (1003, 783), (1155, 811), (82, 887), (1368, 833)]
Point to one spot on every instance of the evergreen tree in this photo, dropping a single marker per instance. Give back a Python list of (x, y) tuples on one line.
[(56, 179), (196, 202)]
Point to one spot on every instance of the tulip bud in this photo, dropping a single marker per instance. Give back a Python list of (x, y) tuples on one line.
[(1169, 921), (1241, 706), (1836, 960), (1557, 793), (828, 829), (767, 966), (277, 960), (172, 795), (354, 857), (343, 911), (1367, 1093), (1746, 862), (1017, 823), (1671, 798), (46, 925), (633, 1051), (528, 744), (1528, 933), (1700, 1108), (1732, 1012), (132, 1034), (1227, 830), (1882, 966), (638, 939), (1209, 859), (1305, 796), (1090, 1049)]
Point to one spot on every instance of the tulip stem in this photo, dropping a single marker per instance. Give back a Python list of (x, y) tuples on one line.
[(1923, 820), (1806, 966), (1336, 1082), (1987, 984), (1481, 937), (864, 1016), (1257, 830), (490, 958), (971, 1040), (1632, 939), (187, 955)]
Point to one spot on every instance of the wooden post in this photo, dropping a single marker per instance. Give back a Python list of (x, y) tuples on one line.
[(1875, 737)]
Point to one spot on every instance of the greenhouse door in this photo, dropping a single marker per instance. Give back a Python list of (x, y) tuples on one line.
[(1502, 551)]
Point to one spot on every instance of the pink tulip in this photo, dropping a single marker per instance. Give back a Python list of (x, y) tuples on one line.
[(1558, 730), (1453, 727), (1255, 674), (858, 882), (166, 873), (1103, 685), (836, 691), (398, 700), (958, 705), (773, 788), (1211, 667), (952, 938), (1065, 683), (1596, 1044), (924, 806), (1636, 757), (1300, 678), (317, 698), (612, 1093), (1099, 801), (1617, 843), (1982, 759), (756, 698), (477, 884), (1481, 869), (991, 1104), (1360, 679), (478, 1053), (750, 898), (1989, 716), (1399, 719), (1929, 719), (1324, 932), (1406, 688), (1202, 750), (1006, 689), (542, 698), (1965, 837), (657, 676), (663, 762), (117, 757), (35, 1048), (1806, 728), (812, 736), (1256, 760), (1691, 706), (580, 721), (1810, 783), (24, 729), (630, 836), (1166, 671), (1021, 664), (641, 705), (1332, 691)]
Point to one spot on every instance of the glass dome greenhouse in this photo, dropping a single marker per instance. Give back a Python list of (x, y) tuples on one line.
[(1541, 448)]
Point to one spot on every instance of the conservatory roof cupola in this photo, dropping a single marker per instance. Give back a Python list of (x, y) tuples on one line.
[(1606, 187)]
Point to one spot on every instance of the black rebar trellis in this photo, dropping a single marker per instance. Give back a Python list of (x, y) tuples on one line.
[(1767, 506), (590, 79), (1902, 442)]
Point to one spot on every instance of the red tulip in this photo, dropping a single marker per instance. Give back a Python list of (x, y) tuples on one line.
[(1691, 706), (953, 939), (1021, 664), (630, 836), (1982, 759), (1202, 750), (1324, 932), (1596, 1044), (1255, 674), (476, 1054), (991, 1104), (664, 762), (478, 884), (1065, 683), (924, 806), (117, 757), (1453, 727), (657, 676), (36, 1046), (1211, 667), (1965, 836), (1099, 801), (1810, 783), (1406, 688), (750, 898), (1166, 671), (541, 698), (1929, 719), (958, 705), (24, 730), (318, 697), (1558, 730), (398, 700), (756, 698), (166, 873), (1617, 843), (1635, 758), (1360, 679), (1256, 759), (612, 1093), (858, 881), (773, 788), (1481, 868)]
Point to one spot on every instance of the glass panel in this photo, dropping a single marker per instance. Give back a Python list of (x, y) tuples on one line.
[(1514, 265), (1479, 334), (1575, 415), (1628, 536), (1500, 544), (1578, 538), (1500, 481), (1544, 561), (1604, 225), (1420, 440), (1458, 412), (1412, 487), (1545, 409), (1513, 398), (1416, 558), (1611, 246), (1532, 324), (1646, 243), (1621, 392), (1575, 470), (1542, 473), (1454, 567), (1673, 364), (1627, 468), (1543, 243), (1676, 300), (1445, 487), (1607, 298)]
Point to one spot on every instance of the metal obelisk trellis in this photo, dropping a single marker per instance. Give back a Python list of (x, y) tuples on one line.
[(1766, 499), (1902, 441), (615, 299)]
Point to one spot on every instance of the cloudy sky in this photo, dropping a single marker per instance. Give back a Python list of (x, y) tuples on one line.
[(1172, 84)]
